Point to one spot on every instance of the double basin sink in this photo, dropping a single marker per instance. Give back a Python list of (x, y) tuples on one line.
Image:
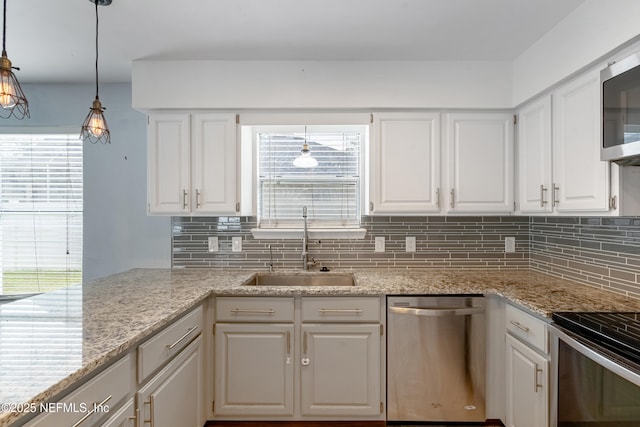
[(301, 279)]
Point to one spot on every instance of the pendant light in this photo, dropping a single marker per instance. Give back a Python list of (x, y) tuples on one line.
[(12, 99), (304, 160), (95, 129)]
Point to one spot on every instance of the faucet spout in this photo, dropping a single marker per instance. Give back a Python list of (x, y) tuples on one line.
[(305, 241)]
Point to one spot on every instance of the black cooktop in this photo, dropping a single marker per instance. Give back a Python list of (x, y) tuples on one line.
[(618, 332)]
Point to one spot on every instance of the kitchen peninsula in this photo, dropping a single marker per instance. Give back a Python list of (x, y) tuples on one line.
[(108, 317)]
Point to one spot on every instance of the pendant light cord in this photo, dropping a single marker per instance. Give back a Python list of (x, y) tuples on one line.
[(4, 28), (97, 26)]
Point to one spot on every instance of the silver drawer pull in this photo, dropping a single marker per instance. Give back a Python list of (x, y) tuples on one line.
[(340, 310), (91, 412), (253, 311), (171, 347), (519, 326)]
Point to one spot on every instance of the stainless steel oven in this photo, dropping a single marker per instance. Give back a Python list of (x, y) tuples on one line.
[(595, 372)]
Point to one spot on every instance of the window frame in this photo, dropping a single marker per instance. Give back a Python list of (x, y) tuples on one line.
[(70, 132), (249, 128)]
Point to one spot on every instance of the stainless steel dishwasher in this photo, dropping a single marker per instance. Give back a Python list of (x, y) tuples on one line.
[(436, 359)]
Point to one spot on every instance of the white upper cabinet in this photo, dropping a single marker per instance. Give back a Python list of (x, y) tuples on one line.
[(534, 157), (479, 149), (192, 164), (405, 163), (168, 163), (581, 179)]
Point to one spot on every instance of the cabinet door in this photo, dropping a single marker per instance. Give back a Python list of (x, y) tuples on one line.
[(581, 178), (174, 396), (480, 162), (124, 417), (214, 164), (527, 390), (253, 369), (340, 370), (168, 168), (405, 163), (534, 157)]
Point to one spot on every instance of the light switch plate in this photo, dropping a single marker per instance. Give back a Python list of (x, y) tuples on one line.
[(509, 244), (410, 244), (379, 244), (236, 244), (213, 244)]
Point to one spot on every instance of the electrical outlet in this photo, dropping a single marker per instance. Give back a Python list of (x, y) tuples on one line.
[(213, 244), (509, 244), (410, 244), (379, 244), (236, 244)]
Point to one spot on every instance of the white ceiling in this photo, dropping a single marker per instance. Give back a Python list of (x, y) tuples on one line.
[(53, 41)]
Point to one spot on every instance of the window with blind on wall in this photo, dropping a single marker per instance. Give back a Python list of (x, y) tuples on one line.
[(331, 191), (40, 212)]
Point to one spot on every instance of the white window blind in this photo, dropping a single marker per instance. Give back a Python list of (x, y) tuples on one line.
[(40, 212), (331, 190)]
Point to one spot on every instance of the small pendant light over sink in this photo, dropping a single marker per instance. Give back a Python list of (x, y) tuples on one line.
[(304, 160), (95, 129), (12, 99)]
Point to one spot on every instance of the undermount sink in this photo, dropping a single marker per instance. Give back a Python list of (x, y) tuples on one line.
[(301, 279)]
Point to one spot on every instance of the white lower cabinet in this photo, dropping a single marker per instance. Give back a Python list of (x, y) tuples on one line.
[(527, 370), (93, 403), (125, 417), (173, 397), (298, 358), (340, 372), (254, 369)]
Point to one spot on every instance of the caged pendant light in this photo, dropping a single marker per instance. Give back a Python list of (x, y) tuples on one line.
[(12, 99), (95, 129)]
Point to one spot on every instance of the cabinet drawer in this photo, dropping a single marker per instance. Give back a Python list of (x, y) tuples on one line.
[(159, 349), (254, 309), (91, 401), (527, 327), (341, 309)]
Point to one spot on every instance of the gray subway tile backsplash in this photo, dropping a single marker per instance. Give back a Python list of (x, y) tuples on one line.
[(598, 251)]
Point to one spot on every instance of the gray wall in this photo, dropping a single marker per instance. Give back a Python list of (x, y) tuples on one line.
[(118, 235)]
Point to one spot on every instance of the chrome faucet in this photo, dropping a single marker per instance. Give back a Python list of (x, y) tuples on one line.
[(305, 243)]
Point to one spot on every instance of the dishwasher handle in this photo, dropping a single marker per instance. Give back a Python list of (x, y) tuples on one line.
[(437, 311)]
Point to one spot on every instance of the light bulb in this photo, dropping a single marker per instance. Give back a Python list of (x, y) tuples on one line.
[(305, 160), (96, 125), (7, 93)]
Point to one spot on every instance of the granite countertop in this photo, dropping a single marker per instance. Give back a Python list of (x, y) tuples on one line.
[(53, 340)]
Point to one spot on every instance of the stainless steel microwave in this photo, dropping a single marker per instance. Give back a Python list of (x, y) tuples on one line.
[(621, 112)]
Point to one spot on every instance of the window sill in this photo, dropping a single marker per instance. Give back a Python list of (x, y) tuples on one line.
[(314, 233)]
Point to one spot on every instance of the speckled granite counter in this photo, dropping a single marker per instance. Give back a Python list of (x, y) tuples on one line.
[(53, 340)]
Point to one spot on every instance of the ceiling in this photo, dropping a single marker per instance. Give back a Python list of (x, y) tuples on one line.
[(54, 41)]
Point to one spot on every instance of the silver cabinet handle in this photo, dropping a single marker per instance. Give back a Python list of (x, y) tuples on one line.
[(452, 203), (91, 412), (288, 342), (536, 386), (437, 311), (555, 192), (135, 418), (151, 404), (172, 346), (197, 198), (519, 326), (185, 194), (438, 197), (340, 310), (253, 311), (542, 194)]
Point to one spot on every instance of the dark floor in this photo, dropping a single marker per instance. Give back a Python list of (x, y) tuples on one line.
[(334, 424)]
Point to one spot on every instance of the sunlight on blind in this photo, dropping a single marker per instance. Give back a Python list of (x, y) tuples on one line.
[(331, 190), (40, 212)]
